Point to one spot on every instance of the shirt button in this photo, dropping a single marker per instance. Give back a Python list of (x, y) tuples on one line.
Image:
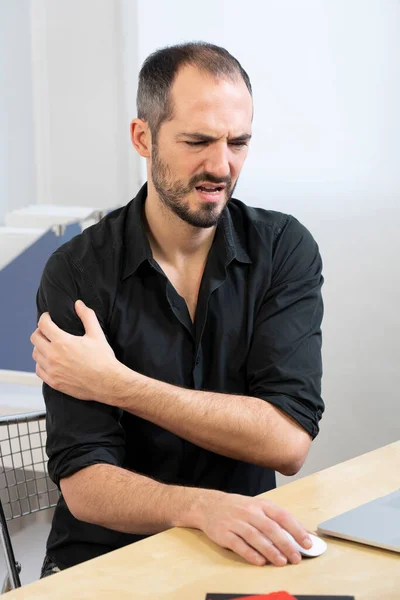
[(197, 360)]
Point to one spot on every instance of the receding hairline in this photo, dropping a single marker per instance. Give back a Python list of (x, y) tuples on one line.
[(234, 76), (231, 77), (161, 69)]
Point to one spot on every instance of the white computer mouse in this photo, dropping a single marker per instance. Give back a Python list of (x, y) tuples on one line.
[(318, 546)]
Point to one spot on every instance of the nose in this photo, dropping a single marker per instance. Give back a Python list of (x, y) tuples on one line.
[(217, 160)]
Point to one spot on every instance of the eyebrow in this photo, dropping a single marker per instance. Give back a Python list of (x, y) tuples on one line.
[(197, 137)]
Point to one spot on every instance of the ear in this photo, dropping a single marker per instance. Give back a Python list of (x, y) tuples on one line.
[(141, 137)]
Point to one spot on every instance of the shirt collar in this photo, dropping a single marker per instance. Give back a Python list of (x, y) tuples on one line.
[(137, 247), (136, 244), (233, 243)]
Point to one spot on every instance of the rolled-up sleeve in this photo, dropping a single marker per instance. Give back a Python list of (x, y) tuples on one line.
[(284, 363), (79, 433)]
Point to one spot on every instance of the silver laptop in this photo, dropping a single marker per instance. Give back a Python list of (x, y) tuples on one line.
[(376, 523)]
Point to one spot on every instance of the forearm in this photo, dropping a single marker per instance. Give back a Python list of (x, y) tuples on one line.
[(124, 501), (118, 499), (240, 427)]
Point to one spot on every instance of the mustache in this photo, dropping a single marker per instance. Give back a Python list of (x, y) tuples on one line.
[(204, 177)]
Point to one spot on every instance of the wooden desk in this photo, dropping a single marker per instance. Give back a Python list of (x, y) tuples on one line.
[(182, 564)]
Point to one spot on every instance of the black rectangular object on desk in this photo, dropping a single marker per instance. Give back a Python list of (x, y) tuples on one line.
[(234, 596)]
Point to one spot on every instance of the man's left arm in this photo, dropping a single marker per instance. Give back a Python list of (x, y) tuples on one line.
[(273, 425)]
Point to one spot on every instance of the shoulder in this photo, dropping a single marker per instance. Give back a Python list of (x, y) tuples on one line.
[(257, 217), (271, 231), (98, 242), (87, 267)]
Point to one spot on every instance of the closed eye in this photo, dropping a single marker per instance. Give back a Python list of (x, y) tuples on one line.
[(202, 143)]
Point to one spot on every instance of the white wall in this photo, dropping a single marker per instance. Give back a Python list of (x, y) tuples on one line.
[(65, 90), (84, 155), (326, 87), (326, 149), (17, 160)]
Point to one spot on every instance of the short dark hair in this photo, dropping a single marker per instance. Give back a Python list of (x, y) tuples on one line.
[(161, 67)]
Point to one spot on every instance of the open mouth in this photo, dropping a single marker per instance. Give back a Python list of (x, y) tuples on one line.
[(210, 189)]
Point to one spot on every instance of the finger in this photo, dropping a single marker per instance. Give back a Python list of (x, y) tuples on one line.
[(288, 522), (34, 336), (280, 541), (49, 329), (89, 319), (261, 543), (41, 342), (41, 373), (40, 360), (241, 548)]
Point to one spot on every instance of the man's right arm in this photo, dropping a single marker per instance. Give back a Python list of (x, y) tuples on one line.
[(124, 501)]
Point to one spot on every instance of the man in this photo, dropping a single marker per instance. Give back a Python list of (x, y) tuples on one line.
[(179, 340)]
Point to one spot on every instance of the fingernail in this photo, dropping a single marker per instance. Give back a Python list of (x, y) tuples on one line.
[(295, 558), (281, 560), (307, 543)]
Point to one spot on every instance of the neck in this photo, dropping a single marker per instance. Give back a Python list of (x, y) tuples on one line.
[(171, 239)]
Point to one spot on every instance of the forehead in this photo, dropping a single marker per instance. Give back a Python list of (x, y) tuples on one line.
[(202, 102)]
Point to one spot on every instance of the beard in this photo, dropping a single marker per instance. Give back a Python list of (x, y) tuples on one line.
[(172, 193)]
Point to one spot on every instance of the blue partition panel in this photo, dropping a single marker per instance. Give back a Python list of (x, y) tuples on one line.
[(19, 282)]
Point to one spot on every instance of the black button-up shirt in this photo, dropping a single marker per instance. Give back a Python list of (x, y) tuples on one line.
[(256, 333)]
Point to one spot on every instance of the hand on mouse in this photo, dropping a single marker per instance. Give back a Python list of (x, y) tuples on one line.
[(253, 528)]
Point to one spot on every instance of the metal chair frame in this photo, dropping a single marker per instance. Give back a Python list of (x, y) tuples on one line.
[(25, 486)]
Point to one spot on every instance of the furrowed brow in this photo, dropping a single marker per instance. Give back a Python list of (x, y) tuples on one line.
[(197, 137), (202, 137), (246, 137)]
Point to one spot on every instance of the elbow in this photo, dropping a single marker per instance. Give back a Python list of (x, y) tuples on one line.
[(291, 467), (71, 498), (293, 459), (75, 512), (80, 492), (75, 494), (287, 465)]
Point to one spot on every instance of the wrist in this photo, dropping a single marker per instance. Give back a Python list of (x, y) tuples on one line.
[(191, 506), (116, 385)]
